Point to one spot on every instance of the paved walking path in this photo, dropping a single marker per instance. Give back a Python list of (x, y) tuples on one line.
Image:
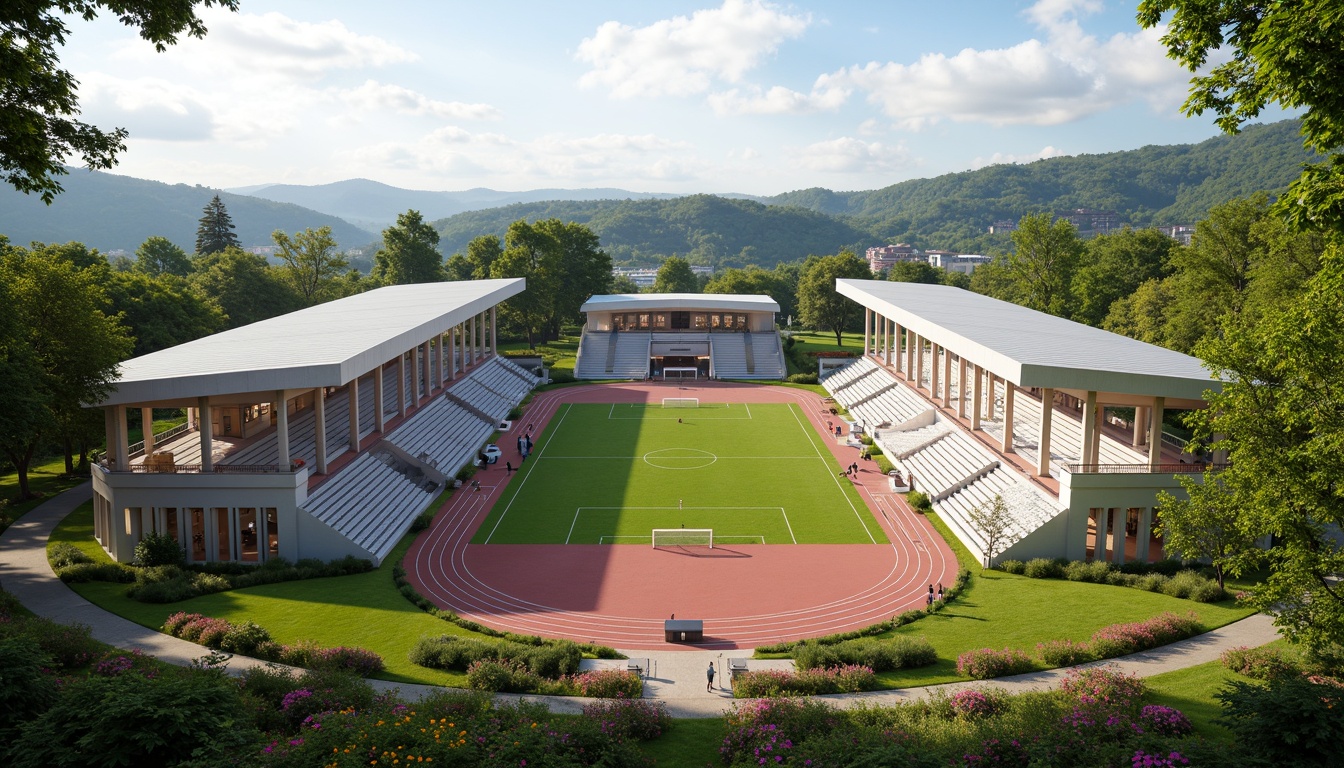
[(677, 678)]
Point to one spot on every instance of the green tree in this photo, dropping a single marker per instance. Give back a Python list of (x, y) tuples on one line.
[(27, 398), (994, 522), (246, 287), (159, 256), (409, 253), (754, 281), (1279, 418), (1276, 53), (584, 270), (532, 254), (1115, 265), (1206, 524), (482, 253), (215, 232), (623, 284), (675, 276), (162, 311), (819, 305), (1042, 266), (76, 344), (40, 99), (312, 262), (915, 272)]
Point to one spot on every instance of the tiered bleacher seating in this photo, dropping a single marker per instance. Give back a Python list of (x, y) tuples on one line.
[(944, 466), (846, 376), (1029, 509), (371, 502), (769, 355), (632, 357), (728, 352), (443, 434), (592, 360), (897, 444)]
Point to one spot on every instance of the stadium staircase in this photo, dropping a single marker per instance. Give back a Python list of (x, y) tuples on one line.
[(630, 355), (746, 355)]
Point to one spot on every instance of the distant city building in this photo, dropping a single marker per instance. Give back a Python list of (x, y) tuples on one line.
[(1091, 223), (355, 252), (1002, 226), (115, 252), (263, 250), (645, 277), (1181, 233), (883, 257), (964, 263)]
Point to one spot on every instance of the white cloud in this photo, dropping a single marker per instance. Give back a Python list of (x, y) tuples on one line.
[(374, 96), (684, 55), (1068, 76), (850, 155), (776, 101), (150, 108), (999, 158)]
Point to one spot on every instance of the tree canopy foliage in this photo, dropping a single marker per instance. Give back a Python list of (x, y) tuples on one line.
[(410, 253), (215, 232), (819, 304), (38, 129), (312, 263), (563, 265), (675, 276)]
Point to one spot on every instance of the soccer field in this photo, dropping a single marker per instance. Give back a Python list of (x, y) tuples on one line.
[(609, 474)]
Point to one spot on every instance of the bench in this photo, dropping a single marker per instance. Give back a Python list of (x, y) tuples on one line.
[(683, 630)]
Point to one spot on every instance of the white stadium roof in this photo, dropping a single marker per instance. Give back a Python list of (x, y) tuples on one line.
[(326, 345), (1031, 348), (710, 302)]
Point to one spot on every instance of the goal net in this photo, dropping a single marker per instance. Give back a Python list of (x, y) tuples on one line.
[(683, 537), (681, 402), (680, 374)]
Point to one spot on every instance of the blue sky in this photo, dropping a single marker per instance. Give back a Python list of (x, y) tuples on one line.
[(727, 96)]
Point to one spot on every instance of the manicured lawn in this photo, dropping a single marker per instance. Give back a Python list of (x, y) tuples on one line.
[(609, 474), (559, 355), (1191, 690), (46, 478), (687, 744), (817, 341), (364, 610)]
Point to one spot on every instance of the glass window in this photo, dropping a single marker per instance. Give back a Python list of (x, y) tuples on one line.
[(221, 515), (715, 321), (197, 551), (170, 523), (272, 536), (700, 321), (727, 321), (742, 322), (644, 321), (248, 527)]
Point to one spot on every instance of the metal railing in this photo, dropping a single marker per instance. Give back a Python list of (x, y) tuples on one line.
[(188, 469), (138, 449), (1141, 469)]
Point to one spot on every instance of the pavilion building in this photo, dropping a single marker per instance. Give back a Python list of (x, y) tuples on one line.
[(973, 398), (680, 335), (316, 434)]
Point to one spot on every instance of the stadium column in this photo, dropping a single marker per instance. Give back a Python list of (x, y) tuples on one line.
[(1140, 420), (121, 452), (401, 384), (281, 429), (147, 427), (1155, 433), (885, 339), (1089, 427), (320, 418), (961, 387), (1099, 537), (1008, 390), (471, 345), (919, 361), (207, 436), (480, 350), (947, 378), (379, 413), (977, 393), (426, 372), (1047, 408), (494, 338), (933, 372), (1118, 533), (867, 331), (1145, 534), (353, 396), (452, 353), (989, 400), (910, 356)]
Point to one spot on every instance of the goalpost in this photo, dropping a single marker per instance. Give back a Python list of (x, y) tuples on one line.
[(683, 537), (681, 402), (680, 374)]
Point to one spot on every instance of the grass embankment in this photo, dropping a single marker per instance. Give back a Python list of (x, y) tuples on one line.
[(45, 479), (363, 610), (558, 355)]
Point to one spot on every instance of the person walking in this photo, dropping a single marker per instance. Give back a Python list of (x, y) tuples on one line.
[(930, 599), (508, 468), (709, 686)]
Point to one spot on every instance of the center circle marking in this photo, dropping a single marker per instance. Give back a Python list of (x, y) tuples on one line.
[(679, 458)]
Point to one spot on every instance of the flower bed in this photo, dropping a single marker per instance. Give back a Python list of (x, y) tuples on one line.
[(987, 662), (770, 683), (250, 639)]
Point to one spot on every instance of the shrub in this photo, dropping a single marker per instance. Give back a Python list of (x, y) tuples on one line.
[(356, 661), (79, 573), (1103, 687), (25, 691), (629, 719), (803, 378), (1287, 721), (1260, 663), (1064, 653), (1016, 567), (64, 553), (1183, 584), (849, 678), (1208, 592), (1165, 721), (67, 646), (550, 660), (159, 549), (1121, 639), (422, 522), (1095, 572), (972, 704), (465, 474), (899, 652), (1043, 568), (609, 684), (244, 638), (987, 662), (919, 501), (501, 676)]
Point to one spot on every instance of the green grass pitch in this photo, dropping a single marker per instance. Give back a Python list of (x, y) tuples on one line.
[(609, 474)]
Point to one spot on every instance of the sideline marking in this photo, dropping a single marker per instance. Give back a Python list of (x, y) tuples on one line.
[(834, 478), (578, 510), (519, 489)]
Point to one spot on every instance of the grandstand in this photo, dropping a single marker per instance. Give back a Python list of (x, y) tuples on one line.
[(321, 444)]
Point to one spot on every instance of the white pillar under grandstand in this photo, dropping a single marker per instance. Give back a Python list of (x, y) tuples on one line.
[(977, 397), (1118, 534), (494, 337), (207, 435), (910, 356), (867, 331), (961, 387), (353, 395), (1155, 432), (1089, 425), (452, 353), (401, 384), (1047, 408), (320, 418), (947, 378), (426, 365), (1008, 390), (471, 346), (933, 373), (919, 361), (122, 457), (379, 413), (147, 427), (989, 394), (1145, 534), (281, 430), (1102, 528), (1140, 426)]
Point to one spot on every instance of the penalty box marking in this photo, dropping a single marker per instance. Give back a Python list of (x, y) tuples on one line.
[(611, 414), (752, 538), (784, 514)]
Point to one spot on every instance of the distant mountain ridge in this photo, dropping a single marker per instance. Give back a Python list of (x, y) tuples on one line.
[(374, 205), (111, 212)]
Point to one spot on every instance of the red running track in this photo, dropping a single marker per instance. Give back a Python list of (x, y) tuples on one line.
[(619, 595)]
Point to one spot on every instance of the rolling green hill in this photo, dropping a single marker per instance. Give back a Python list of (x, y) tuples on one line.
[(107, 212), (1153, 185)]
